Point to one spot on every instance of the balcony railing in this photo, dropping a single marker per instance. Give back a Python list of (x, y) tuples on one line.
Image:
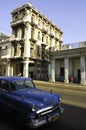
[(75, 45)]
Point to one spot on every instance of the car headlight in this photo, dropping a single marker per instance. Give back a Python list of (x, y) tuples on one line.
[(33, 108), (60, 98)]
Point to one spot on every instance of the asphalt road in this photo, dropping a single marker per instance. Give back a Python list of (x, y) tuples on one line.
[(73, 118), (70, 97)]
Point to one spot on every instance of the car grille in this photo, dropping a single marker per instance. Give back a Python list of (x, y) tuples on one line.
[(47, 110)]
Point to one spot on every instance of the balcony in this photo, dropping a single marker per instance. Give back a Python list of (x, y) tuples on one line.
[(44, 29), (33, 38), (56, 37), (52, 49), (52, 34), (33, 54), (27, 19), (15, 39), (16, 22), (33, 22), (4, 52), (15, 57), (43, 44), (39, 25), (5, 55)]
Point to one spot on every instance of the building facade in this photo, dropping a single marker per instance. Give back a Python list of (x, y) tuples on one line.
[(35, 50), (5, 54), (33, 38), (69, 64)]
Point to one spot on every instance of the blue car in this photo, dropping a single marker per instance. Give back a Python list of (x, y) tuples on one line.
[(28, 105)]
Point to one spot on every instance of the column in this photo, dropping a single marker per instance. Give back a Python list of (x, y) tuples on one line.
[(27, 41), (49, 71), (8, 69), (82, 66), (71, 67), (52, 71), (11, 69), (26, 68), (66, 71), (57, 69)]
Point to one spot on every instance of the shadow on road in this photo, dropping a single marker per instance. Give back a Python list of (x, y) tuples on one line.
[(73, 118)]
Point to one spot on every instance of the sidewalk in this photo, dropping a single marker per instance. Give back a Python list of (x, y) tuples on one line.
[(71, 86)]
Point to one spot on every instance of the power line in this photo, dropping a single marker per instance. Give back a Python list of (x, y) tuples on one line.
[(5, 29)]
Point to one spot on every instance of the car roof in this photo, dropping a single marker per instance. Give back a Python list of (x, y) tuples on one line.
[(12, 78)]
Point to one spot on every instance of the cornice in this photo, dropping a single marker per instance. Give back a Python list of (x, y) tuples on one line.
[(69, 52), (30, 6)]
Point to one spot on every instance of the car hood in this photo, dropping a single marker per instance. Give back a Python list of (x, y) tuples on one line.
[(37, 97)]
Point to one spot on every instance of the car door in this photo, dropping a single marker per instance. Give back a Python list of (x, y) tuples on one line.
[(4, 95)]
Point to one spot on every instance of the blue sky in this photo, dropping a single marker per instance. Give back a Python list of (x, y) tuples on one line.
[(69, 15)]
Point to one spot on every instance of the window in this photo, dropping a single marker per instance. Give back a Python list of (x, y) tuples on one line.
[(43, 24), (21, 84), (12, 86), (22, 50), (23, 14), (42, 37), (56, 45), (38, 50), (33, 18), (4, 85), (50, 29), (39, 22), (15, 33), (50, 42), (55, 33), (39, 35), (16, 17), (46, 39), (4, 51), (32, 32), (62, 71), (15, 50), (23, 32)]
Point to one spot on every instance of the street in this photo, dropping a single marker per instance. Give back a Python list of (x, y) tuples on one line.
[(74, 116), (75, 96)]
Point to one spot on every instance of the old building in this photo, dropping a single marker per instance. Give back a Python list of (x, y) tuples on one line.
[(69, 64), (5, 54), (35, 50), (3, 37), (34, 36)]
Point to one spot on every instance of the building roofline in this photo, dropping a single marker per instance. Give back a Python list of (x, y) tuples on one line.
[(28, 5)]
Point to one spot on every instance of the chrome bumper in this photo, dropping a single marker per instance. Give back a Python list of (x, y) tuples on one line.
[(34, 123)]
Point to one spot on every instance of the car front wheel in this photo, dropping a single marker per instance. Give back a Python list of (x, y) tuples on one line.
[(20, 120)]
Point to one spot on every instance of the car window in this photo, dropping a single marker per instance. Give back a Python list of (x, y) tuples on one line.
[(4, 85), (22, 84), (12, 86), (28, 83)]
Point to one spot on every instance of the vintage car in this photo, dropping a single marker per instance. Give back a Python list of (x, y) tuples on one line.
[(28, 105)]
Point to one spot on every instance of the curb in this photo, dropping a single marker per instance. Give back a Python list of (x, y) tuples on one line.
[(72, 86)]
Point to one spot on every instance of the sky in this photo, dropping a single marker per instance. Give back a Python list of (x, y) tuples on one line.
[(68, 15)]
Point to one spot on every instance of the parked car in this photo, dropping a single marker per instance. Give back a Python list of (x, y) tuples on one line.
[(27, 104)]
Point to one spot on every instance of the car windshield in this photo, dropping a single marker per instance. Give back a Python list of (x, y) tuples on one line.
[(21, 84)]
